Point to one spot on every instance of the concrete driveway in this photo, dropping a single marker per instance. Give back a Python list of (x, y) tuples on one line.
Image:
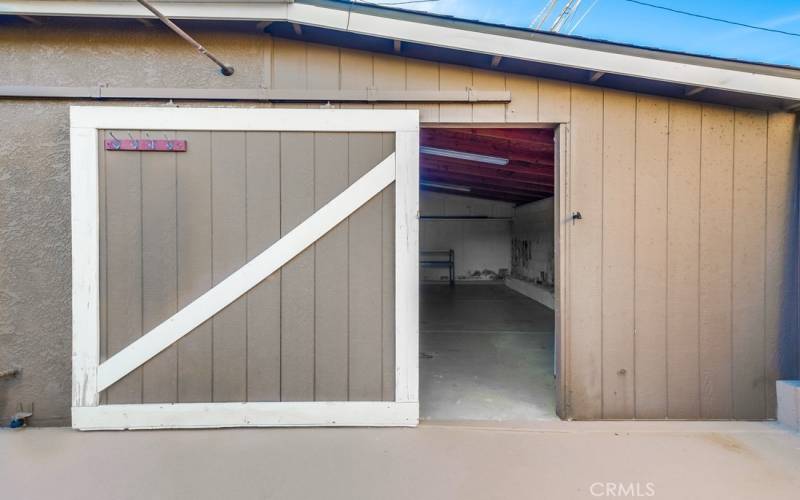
[(550, 460)]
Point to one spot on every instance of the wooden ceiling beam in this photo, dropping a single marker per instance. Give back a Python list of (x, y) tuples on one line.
[(482, 183), (486, 195), (488, 173), (535, 136), (531, 171), (488, 146), (474, 187), (529, 139)]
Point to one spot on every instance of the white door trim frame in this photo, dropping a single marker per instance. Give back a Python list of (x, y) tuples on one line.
[(89, 378)]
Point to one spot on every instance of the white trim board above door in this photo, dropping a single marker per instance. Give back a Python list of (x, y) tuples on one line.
[(90, 377)]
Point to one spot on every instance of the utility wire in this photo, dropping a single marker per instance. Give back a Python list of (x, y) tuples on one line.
[(710, 18), (578, 23)]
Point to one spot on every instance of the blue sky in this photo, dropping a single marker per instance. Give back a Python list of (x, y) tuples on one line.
[(621, 21)]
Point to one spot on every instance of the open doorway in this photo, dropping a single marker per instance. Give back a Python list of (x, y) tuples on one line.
[(487, 274)]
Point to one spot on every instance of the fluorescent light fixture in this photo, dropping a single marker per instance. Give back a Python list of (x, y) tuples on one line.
[(461, 155), (449, 187)]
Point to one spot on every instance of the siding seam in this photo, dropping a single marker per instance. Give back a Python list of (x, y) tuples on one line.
[(141, 267), (314, 274), (211, 223), (635, 173), (347, 381), (280, 271), (699, 270), (247, 294), (177, 274), (666, 274), (732, 329), (765, 270), (602, 249)]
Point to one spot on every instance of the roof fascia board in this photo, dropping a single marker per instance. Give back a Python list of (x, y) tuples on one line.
[(592, 60), (178, 10), (435, 35)]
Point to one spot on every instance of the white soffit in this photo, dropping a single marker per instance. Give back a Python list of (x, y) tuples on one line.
[(439, 36)]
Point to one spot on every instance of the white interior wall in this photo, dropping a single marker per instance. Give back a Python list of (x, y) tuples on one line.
[(532, 245), (478, 244), (532, 251)]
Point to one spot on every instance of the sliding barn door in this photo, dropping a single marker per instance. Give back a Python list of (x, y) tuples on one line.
[(256, 274)]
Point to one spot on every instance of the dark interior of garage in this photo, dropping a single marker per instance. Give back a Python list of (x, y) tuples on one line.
[(487, 274)]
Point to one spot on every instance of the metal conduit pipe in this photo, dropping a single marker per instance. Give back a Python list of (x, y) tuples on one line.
[(226, 69)]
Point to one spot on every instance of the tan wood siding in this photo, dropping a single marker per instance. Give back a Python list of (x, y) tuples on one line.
[(650, 255), (676, 271), (619, 169), (263, 301), (159, 268), (194, 264), (585, 274), (331, 265), (748, 264), (229, 253), (365, 275), (123, 272), (723, 193), (321, 328), (716, 230), (782, 349), (683, 233), (297, 277)]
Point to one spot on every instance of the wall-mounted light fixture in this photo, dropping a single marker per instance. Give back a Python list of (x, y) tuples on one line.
[(462, 155)]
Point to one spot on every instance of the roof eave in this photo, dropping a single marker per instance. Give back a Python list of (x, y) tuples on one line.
[(454, 35)]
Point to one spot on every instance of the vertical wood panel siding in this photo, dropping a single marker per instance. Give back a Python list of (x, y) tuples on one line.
[(175, 224), (123, 272), (619, 163), (194, 264), (782, 348), (650, 255), (681, 305), (670, 213), (331, 267), (748, 265), (263, 301), (585, 340), (716, 232), (159, 268), (102, 253), (683, 232)]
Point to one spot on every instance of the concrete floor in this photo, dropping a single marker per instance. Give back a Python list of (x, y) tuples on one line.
[(439, 459), (487, 354), (552, 460)]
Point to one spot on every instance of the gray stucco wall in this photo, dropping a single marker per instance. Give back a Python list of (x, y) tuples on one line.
[(35, 257)]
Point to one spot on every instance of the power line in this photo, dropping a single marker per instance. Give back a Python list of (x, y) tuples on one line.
[(567, 12), (578, 23), (543, 15), (710, 18)]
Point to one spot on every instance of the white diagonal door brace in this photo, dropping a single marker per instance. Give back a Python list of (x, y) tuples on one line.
[(248, 276)]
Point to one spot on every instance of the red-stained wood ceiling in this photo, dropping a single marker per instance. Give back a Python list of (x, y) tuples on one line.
[(527, 177)]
